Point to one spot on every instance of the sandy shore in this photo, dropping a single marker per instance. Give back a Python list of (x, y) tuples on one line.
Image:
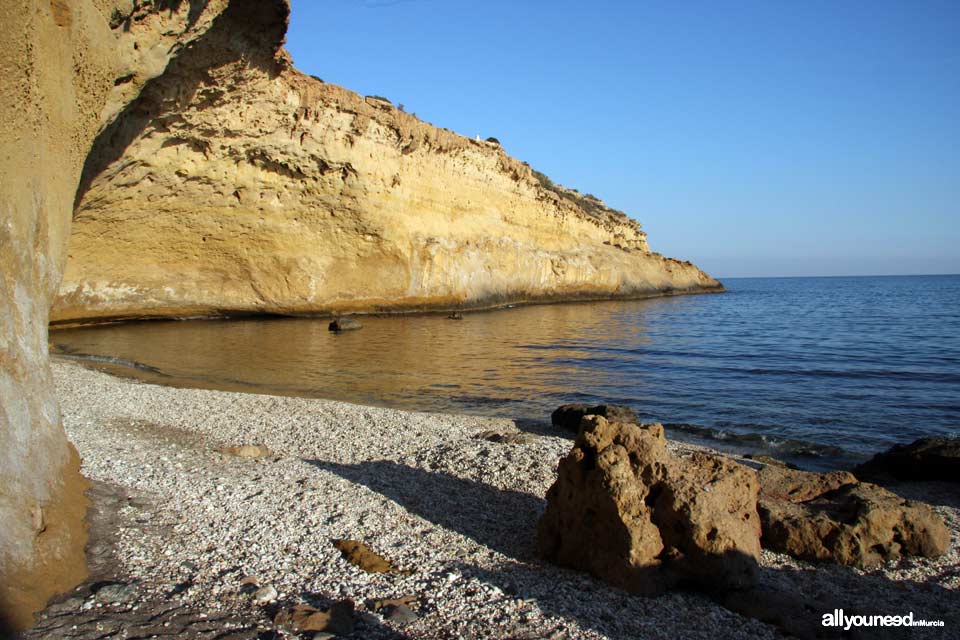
[(457, 512)]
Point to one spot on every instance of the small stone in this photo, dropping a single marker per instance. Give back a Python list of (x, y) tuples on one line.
[(377, 605), (67, 606), (247, 451), (266, 594), (338, 619), (504, 438), (401, 614), (116, 593), (360, 555)]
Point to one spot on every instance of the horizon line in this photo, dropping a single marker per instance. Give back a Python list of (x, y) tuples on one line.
[(858, 275)]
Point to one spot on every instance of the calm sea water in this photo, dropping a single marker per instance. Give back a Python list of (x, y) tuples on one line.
[(825, 370)]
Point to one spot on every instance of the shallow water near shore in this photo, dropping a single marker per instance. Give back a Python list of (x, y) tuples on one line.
[(821, 371)]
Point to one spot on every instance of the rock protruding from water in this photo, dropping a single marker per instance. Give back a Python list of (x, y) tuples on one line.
[(835, 518), (633, 514), (568, 416), (345, 324), (932, 458)]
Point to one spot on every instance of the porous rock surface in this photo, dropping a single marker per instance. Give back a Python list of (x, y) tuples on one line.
[(246, 186), (834, 517), (67, 69), (631, 513)]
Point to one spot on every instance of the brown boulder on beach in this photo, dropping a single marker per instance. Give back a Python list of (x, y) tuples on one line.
[(633, 514), (834, 517)]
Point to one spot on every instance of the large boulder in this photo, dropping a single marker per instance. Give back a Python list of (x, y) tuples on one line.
[(934, 458), (568, 416), (633, 514), (834, 517)]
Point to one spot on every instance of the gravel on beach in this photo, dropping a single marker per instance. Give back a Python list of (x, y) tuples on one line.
[(209, 530)]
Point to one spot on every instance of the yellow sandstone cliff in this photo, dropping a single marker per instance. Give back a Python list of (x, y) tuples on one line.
[(68, 68), (249, 187)]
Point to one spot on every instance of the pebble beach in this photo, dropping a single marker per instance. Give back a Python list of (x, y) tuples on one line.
[(224, 509)]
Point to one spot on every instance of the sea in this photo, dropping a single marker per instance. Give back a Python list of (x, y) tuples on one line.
[(821, 372)]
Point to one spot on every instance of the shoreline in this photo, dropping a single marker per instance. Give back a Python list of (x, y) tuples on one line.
[(726, 443), (459, 513), (414, 310)]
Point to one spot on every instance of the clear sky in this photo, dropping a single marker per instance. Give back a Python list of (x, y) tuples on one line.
[(755, 138)]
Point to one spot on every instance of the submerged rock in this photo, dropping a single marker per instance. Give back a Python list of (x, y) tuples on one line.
[(934, 458), (568, 416), (345, 324), (834, 517), (633, 514)]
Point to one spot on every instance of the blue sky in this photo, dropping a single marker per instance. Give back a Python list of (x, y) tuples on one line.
[(754, 138)]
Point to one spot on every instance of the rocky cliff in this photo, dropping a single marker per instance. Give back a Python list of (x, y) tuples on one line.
[(245, 186), (68, 68)]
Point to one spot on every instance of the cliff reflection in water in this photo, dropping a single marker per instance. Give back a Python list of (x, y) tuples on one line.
[(513, 363), (797, 367)]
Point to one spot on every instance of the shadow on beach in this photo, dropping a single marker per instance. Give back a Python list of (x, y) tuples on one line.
[(496, 518), (792, 600)]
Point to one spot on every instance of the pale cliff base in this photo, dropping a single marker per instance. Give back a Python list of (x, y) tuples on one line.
[(422, 490)]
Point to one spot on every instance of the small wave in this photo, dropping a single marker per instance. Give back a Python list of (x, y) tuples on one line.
[(762, 442), (112, 360)]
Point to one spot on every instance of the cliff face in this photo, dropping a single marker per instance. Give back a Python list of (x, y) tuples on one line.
[(67, 68), (250, 187)]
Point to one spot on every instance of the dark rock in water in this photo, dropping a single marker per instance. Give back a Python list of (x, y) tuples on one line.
[(568, 416), (633, 514), (833, 517), (934, 458), (345, 324), (456, 315)]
